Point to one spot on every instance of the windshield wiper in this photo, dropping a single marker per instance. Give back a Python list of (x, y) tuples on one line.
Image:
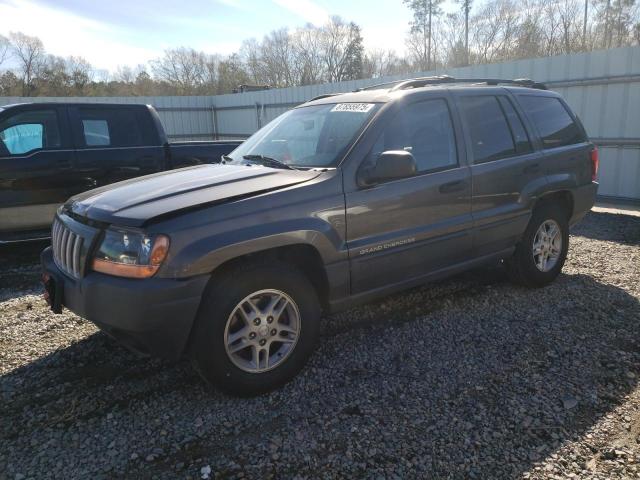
[(268, 161)]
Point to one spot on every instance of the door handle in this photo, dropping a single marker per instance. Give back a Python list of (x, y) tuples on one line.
[(451, 187), (535, 168)]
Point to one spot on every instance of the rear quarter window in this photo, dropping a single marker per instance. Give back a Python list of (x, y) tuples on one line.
[(115, 127), (554, 123)]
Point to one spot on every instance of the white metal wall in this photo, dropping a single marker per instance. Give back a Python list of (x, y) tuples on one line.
[(603, 88)]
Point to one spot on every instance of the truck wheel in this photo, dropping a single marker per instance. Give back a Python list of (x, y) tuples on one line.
[(541, 252), (256, 328)]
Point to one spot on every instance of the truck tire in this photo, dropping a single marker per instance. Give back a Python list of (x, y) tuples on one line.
[(542, 250), (256, 328)]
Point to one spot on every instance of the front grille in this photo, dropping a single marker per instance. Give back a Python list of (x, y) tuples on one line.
[(67, 249)]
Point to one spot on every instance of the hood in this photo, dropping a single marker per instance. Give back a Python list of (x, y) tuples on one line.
[(137, 201)]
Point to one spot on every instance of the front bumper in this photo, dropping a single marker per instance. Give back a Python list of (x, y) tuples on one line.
[(153, 316)]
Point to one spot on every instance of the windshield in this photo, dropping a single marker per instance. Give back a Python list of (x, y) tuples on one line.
[(314, 136)]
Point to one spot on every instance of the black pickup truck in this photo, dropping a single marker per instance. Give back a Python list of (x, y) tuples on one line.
[(52, 151)]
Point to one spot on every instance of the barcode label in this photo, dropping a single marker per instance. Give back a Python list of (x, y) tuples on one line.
[(353, 107)]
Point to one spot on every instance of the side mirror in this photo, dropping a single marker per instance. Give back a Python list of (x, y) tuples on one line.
[(390, 165)]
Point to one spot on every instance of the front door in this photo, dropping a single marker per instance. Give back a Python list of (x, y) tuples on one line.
[(36, 159), (401, 230)]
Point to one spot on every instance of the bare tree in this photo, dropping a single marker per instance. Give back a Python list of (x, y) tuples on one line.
[(342, 50), (30, 55), (250, 55), (123, 74), (466, 10), (52, 78), (420, 41), (379, 63), (568, 12), (530, 38), (451, 37), (308, 63), (231, 73), (495, 33), (182, 67), (496, 30), (624, 15), (80, 74), (9, 84), (5, 46), (277, 57)]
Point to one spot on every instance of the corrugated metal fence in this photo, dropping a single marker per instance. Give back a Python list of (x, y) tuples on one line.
[(603, 88)]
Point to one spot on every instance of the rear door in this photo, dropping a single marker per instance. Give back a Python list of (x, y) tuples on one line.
[(566, 150), (114, 143), (504, 165), (403, 229), (36, 160)]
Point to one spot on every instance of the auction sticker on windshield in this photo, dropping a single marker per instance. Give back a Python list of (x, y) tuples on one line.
[(353, 107)]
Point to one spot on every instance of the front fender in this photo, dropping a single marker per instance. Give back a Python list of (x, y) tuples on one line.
[(204, 255)]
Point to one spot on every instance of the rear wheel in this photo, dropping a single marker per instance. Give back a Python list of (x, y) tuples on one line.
[(541, 252), (256, 328)]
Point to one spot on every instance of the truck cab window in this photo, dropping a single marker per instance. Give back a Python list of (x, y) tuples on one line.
[(28, 131), (112, 127), (96, 132)]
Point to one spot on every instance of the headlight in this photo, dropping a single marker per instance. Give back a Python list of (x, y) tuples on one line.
[(132, 254)]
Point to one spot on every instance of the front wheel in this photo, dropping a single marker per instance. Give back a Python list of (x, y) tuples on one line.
[(541, 252), (256, 328)]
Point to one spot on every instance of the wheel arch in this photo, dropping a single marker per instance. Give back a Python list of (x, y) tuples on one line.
[(303, 256), (564, 198)]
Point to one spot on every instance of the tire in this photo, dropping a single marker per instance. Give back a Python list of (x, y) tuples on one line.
[(524, 267), (221, 318)]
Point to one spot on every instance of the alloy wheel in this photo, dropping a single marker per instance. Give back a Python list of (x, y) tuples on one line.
[(262, 331)]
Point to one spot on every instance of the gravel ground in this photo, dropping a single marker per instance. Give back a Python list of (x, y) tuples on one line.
[(467, 378)]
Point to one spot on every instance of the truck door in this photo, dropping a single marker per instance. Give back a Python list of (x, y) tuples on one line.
[(401, 230), (114, 143), (36, 159)]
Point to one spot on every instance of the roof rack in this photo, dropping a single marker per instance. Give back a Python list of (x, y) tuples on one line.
[(378, 86), (324, 95), (444, 79)]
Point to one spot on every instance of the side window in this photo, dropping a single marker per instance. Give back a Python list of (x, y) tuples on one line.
[(520, 137), (487, 125), (96, 132), (29, 131), (424, 129), (555, 125), (112, 127)]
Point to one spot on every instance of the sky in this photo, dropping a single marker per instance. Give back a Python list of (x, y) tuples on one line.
[(115, 33)]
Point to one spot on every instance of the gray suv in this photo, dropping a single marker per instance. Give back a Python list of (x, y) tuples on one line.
[(334, 203)]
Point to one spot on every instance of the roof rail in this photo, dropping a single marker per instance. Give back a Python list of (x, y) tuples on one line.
[(324, 95), (442, 79), (377, 86)]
